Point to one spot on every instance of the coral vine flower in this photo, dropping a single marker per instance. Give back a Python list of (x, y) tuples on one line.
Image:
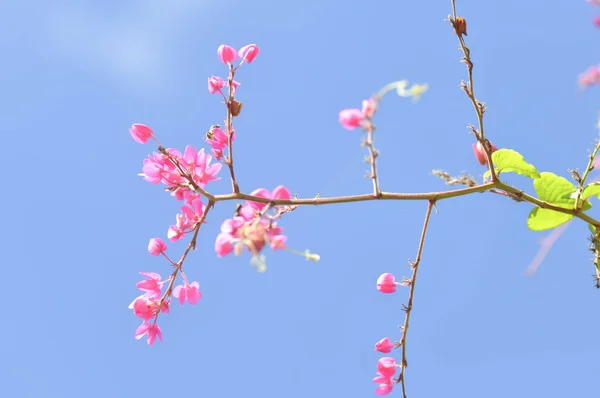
[(590, 76), (351, 118), (368, 108), (218, 140), (215, 84), (385, 385), (156, 246), (141, 133), (248, 52), (278, 193), (190, 292), (227, 54), (153, 330), (384, 345), (480, 152), (386, 366), (386, 283), (152, 284)]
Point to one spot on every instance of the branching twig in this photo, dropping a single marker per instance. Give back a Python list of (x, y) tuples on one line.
[(408, 308), (229, 127), (372, 156), (179, 264), (460, 28)]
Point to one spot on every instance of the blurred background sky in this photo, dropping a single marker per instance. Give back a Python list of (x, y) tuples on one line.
[(77, 219)]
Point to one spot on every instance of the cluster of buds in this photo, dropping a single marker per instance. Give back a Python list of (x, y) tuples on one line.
[(386, 366), (186, 175)]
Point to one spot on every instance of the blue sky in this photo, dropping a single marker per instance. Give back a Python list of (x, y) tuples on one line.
[(76, 74)]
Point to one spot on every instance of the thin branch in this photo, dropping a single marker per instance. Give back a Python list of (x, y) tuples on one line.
[(408, 308), (460, 29), (581, 181), (229, 125), (372, 157), (191, 245)]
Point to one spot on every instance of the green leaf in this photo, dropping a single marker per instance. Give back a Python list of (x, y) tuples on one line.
[(592, 229), (509, 160), (554, 189), (542, 219), (592, 189)]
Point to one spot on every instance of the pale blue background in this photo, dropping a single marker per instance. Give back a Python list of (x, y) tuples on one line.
[(76, 219)]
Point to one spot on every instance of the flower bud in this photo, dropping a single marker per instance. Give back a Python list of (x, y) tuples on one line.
[(351, 118), (248, 53), (156, 246), (386, 283), (384, 345), (141, 133), (226, 54), (480, 152)]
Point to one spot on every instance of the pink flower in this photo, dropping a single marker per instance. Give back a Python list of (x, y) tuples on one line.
[(198, 165), (278, 193), (351, 118), (590, 76), (156, 246), (234, 85), (385, 385), (190, 292), (480, 152), (227, 54), (386, 283), (368, 108), (384, 345), (215, 84), (218, 140), (223, 244), (248, 52), (597, 22), (152, 284), (141, 133), (386, 366), (152, 330), (146, 307), (159, 168)]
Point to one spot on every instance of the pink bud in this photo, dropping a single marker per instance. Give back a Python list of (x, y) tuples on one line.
[(386, 283), (385, 385), (384, 345), (141, 133), (369, 107), (480, 152), (226, 54), (215, 84), (384, 389), (248, 53), (223, 244), (386, 366), (156, 246), (597, 22), (351, 118)]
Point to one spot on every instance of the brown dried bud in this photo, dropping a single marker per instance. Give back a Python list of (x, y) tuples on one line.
[(460, 26), (235, 107)]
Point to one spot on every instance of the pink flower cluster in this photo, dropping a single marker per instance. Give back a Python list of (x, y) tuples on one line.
[(251, 228), (228, 55), (386, 367), (186, 175), (353, 118), (152, 302)]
